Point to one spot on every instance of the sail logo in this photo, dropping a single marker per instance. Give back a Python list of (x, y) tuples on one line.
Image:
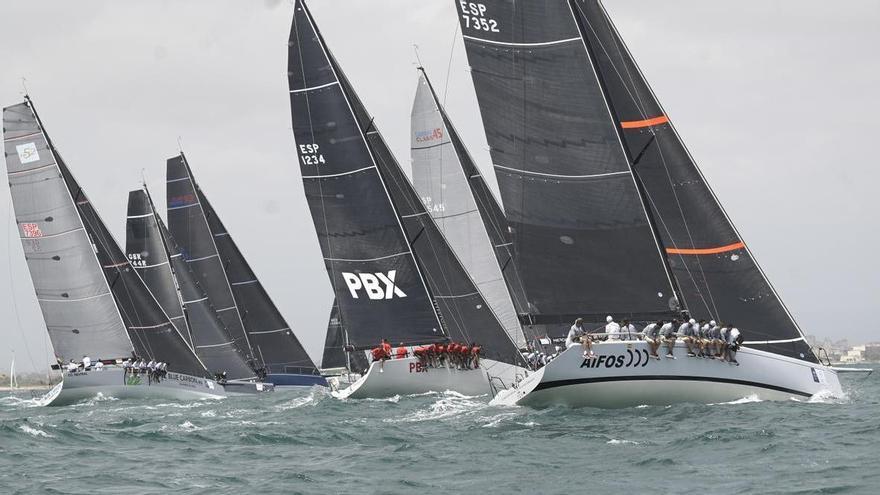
[(428, 136), (377, 285), (27, 153), (31, 230), (182, 200)]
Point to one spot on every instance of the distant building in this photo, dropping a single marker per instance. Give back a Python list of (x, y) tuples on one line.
[(872, 353), (854, 355)]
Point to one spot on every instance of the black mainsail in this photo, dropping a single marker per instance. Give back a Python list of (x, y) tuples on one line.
[(188, 225), (525, 47), (392, 272), (458, 198), (155, 254), (271, 338), (718, 276), (75, 263), (583, 240)]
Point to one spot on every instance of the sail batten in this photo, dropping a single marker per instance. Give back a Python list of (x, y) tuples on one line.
[(582, 238)]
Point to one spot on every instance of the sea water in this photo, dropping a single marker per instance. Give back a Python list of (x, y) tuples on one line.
[(305, 441)]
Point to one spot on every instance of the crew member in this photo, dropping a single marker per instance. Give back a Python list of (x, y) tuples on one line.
[(651, 334), (667, 332), (722, 334), (99, 365), (612, 329), (465, 351), (87, 363), (574, 332), (72, 366), (734, 339), (686, 332), (475, 352), (402, 351), (628, 329)]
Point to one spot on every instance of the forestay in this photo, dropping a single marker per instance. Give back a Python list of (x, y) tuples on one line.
[(444, 183), (717, 274), (583, 242)]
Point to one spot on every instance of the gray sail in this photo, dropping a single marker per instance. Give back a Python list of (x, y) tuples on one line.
[(149, 329), (584, 242), (273, 341), (150, 248), (189, 227), (146, 252), (369, 217), (439, 177), (74, 297)]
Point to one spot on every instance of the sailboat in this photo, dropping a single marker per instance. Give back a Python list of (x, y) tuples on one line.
[(392, 272), (93, 301), (155, 255), (610, 215), (13, 381), (457, 197), (258, 329)]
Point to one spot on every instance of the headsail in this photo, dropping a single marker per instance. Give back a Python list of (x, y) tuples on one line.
[(388, 262), (335, 355), (273, 341), (718, 276), (455, 195), (147, 254), (188, 224), (584, 244), (76, 264), (151, 248)]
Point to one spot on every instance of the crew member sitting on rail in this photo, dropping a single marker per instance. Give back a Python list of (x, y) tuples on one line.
[(87, 363), (667, 332), (99, 365), (629, 330), (703, 341), (441, 355), (734, 340), (72, 366), (686, 332), (475, 354), (612, 329), (651, 334), (381, 354), (722, 334), (465, 351), (402, 352)]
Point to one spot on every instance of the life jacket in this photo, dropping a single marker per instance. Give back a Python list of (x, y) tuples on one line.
[(387, 348), (465, 350), (441, 349), (418, 351), (378, 353), (401, 352), (475, 350)]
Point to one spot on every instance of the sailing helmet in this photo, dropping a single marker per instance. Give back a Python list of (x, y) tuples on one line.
[(692, 321), (712, 323), (609, 319)]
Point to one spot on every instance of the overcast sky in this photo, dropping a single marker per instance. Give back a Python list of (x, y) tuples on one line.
[(777, 100)]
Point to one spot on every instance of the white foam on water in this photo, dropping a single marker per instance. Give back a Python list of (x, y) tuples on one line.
[(35, 432), (496, 420), (209, 414), (642, 406), (186, 425), (824, 397), (745, 400), (450, 404), (97, 399), (615, 441)]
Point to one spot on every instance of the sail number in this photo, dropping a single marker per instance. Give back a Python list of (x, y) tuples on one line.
[(474, 15), (137, 260), (310, 155)]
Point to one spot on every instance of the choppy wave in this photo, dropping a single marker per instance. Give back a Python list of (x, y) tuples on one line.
[(309, 442)]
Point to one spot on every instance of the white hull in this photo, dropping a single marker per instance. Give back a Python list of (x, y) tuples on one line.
[(112, 381), (241, 387), (634, 379), (408, 377)]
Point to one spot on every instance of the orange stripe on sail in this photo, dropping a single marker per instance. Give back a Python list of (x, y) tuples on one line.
[(715, 250), (637, 124)]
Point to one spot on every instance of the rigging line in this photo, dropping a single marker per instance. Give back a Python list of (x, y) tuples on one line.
[(449, 65)]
